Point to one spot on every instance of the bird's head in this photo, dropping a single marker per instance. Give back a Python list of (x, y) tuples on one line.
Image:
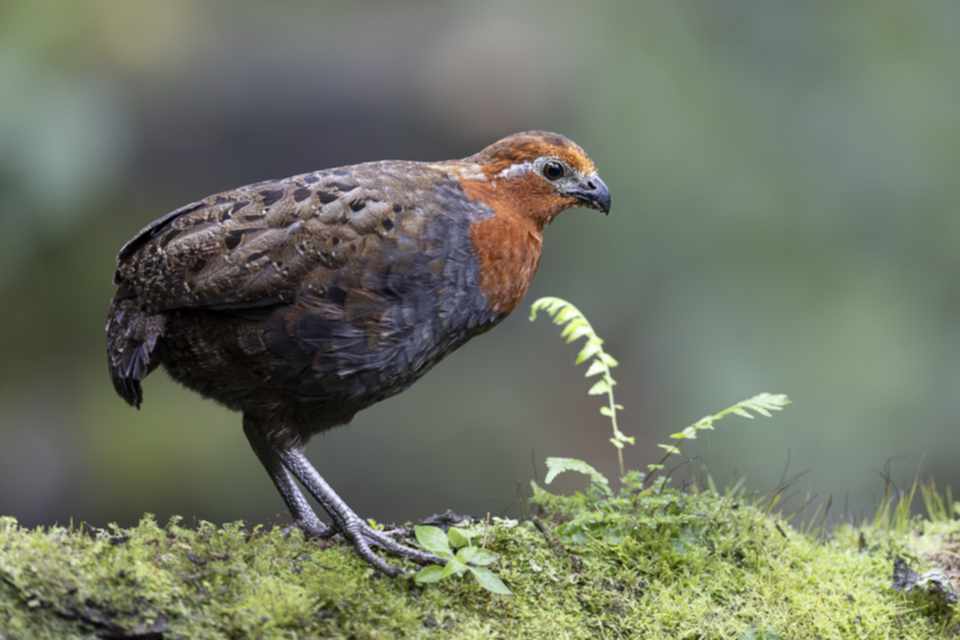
[(536, 175)]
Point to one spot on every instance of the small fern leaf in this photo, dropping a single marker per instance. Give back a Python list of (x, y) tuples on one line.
[(599, 388), (556, 466), (609, 360), (572, 326), (578, 332), (595, 367), (589, 350)]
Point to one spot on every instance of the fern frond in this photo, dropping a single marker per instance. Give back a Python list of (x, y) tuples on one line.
[(761, 404), (577, 326), (556, 466)]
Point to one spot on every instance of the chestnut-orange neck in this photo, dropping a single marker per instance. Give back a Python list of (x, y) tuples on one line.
[(508, 243)]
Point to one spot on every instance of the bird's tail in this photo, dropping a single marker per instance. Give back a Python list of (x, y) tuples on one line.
[(132, 338)]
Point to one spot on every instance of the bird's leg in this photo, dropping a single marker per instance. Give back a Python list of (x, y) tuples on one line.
[(300, 510), (348, 523)]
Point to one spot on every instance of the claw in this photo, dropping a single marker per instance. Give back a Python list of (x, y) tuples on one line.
[(363, 537)]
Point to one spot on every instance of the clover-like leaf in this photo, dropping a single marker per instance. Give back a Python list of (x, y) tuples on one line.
[(433, 539), (489, 581), (458, 537), (476, 555), (428, 574), (452, 567)]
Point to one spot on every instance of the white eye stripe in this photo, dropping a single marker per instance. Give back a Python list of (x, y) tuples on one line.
[(537, 166), (515, 169)]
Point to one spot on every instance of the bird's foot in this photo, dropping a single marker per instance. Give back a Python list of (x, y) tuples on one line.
[(345, 522), (362, 536)]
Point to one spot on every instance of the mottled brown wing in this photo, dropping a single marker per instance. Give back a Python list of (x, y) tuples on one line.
[(256, 245)]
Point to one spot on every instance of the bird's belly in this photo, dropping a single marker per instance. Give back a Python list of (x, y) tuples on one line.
[(344, 381), (301, 386)]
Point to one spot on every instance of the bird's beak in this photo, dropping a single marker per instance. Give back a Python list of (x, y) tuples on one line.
[(592, 192)]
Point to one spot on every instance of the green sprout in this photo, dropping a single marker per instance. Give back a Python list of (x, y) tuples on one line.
[(467, 558)]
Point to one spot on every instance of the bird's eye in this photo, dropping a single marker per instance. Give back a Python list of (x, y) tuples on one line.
[(553, 171)]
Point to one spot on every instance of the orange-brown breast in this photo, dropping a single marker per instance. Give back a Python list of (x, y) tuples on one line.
[(509, 257), (508, 244)]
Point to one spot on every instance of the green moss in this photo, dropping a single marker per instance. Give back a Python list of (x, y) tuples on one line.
[(672, 565)]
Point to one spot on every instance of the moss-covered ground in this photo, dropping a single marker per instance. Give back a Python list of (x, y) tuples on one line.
[(646, 564)]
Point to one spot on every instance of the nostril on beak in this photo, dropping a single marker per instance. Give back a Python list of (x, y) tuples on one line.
[(591, 184)]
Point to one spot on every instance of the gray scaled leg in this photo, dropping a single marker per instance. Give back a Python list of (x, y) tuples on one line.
[(300, 510), (348, 523)]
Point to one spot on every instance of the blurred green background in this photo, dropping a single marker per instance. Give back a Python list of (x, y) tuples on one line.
[(785, 179)]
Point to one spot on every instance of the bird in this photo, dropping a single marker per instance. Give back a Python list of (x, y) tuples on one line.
[(299, 302)]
